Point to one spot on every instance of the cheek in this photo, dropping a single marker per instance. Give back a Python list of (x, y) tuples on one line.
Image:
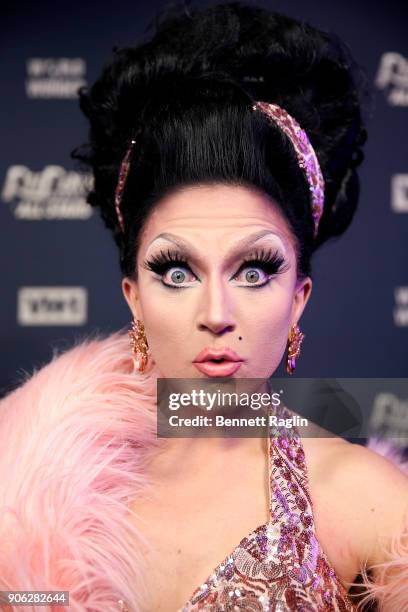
[(166, 323), (265, 332), (272, 334)]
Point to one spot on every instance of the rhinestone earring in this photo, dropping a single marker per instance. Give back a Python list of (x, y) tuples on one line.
[(295, 340), (139, 344)]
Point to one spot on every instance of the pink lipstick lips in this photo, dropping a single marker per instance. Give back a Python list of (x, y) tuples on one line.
[(221, 362)]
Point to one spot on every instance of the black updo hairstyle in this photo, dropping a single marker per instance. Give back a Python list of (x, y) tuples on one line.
[(185, 95)]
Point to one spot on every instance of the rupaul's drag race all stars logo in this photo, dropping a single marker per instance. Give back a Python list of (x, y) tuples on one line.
[(49, 77), (392, 76), (51, 193)]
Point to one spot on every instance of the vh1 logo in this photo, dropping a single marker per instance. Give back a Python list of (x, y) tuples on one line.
[(52, 306)]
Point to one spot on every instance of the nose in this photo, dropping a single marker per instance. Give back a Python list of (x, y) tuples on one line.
[(216, 308)]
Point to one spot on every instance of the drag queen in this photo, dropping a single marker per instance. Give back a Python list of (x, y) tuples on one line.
[(224, 152)]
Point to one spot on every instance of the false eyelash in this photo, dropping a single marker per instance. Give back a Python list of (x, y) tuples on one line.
[(160, 263), (271, 261)]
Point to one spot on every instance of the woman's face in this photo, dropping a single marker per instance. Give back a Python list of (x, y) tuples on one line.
[(213, 293)]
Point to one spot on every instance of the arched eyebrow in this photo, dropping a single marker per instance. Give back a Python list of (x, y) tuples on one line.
[(241, 245)]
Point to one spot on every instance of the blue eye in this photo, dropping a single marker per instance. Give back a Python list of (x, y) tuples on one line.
[(252, 276), (175, 277), (166, 261), (270, 263)]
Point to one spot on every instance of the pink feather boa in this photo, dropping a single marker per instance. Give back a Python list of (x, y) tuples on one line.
[(389, 591), (73, 442), (75, 437)]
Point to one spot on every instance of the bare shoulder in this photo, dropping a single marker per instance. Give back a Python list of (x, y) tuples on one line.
[(369, 491)]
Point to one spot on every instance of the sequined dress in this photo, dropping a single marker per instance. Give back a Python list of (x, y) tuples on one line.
[(279, 566)]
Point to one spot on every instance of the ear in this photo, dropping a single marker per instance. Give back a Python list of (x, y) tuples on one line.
[(303, 290), (131, 293)]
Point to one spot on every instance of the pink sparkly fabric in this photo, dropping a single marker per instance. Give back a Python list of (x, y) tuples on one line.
[(279, 566), (305, 154)]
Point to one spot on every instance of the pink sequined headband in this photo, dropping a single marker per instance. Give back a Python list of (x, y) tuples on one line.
[(305, 154)]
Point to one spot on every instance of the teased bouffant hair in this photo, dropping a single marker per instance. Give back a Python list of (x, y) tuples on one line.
[(185, 95)]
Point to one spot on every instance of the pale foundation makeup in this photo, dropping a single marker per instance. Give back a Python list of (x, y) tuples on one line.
[(217, 299)]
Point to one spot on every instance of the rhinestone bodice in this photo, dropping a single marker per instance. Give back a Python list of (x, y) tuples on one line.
[(279, 566)]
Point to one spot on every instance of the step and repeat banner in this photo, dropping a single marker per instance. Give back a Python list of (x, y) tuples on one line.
[(60, 278)]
